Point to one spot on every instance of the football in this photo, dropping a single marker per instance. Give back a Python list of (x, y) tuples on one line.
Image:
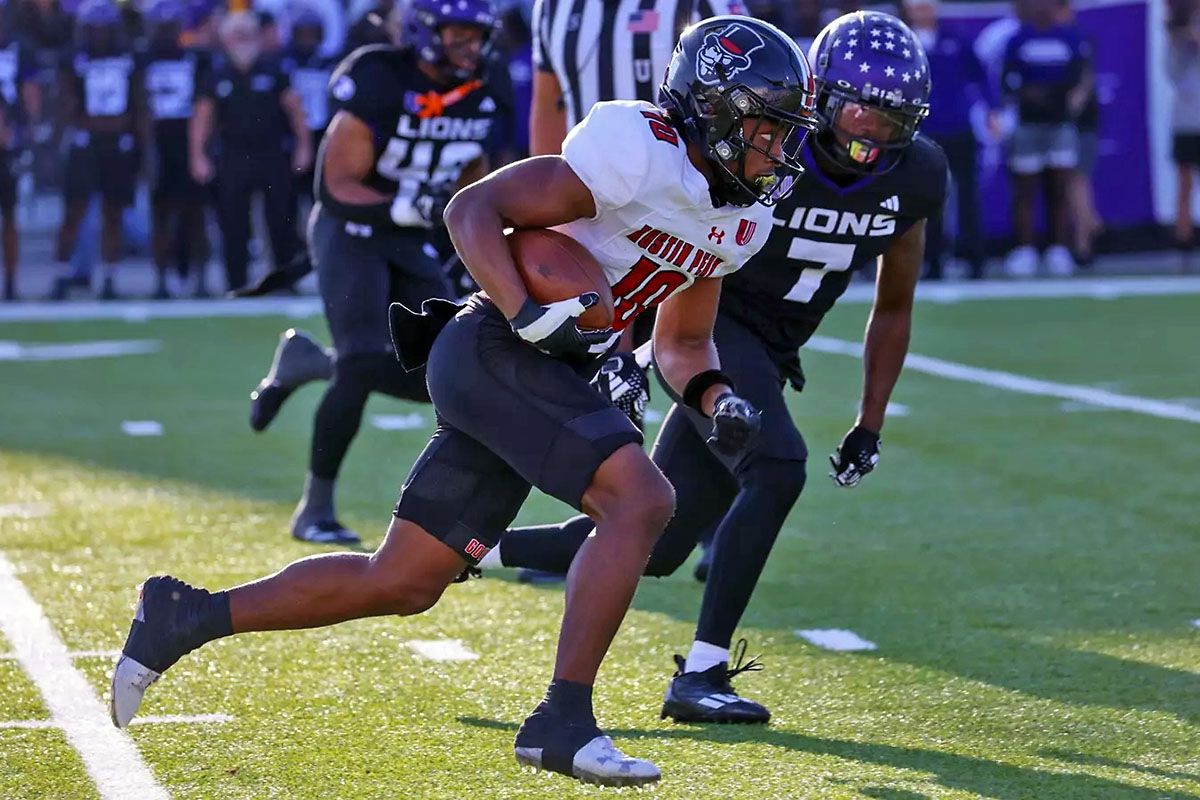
[(555, 267)]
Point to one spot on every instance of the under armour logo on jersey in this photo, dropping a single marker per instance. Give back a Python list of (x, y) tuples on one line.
[(891, 204), (715, 235)]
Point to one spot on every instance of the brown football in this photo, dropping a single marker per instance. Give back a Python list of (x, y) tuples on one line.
[(555, 267)]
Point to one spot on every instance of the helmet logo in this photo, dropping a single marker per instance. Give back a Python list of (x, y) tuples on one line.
[(726, 53)]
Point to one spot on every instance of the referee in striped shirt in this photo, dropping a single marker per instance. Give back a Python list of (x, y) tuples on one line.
[(586, 51)]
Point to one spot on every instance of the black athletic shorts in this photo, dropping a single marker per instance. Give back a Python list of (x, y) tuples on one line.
[(361, 272), (1185, 149), (102, 163), (509, 417), (8, 183), (746, 359)]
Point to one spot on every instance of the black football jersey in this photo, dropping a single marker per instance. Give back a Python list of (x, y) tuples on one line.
[(424, 134), (173, 76), (823, 233), (106, 85)]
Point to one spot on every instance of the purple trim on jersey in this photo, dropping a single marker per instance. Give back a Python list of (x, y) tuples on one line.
[(811, 165)]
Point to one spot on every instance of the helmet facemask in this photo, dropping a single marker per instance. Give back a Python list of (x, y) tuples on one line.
[(876, 149), (774, 132)]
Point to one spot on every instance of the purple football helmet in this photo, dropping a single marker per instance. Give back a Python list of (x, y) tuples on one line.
[(164, 12), (872, 90), (421, 25)]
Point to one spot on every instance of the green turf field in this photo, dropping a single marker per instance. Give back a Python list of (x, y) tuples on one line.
[(1030, 575)]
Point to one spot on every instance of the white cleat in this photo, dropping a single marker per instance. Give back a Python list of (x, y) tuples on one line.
[(599, 762), (129, 684), (1059, 261), (1022, 262)]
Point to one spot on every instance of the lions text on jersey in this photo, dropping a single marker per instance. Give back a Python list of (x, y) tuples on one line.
[(823, 232), (424, 134), (655, 230)]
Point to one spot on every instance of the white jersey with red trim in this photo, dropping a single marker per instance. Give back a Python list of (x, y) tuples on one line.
[(655, 230)]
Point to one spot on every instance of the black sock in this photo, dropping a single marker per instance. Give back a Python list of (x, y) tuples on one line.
[(217, 623), (550, 548)]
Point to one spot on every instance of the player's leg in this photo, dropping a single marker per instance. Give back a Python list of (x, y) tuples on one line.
[(234, 191), (8, 228), (1027, 161), (703, 491), (279, 210), (356, 282), (1184, 227), (406, 575), (770, 477), (573, 445)]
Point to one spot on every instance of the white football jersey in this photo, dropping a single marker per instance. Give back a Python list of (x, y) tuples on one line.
[(655, 229)]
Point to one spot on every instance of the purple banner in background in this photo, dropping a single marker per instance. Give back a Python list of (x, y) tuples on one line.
[(1123, 176)]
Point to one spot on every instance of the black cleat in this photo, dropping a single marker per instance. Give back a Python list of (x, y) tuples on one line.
[(172, 619), (708, 696), (325, 532), (578, 749), (298, 360), (108, 290)]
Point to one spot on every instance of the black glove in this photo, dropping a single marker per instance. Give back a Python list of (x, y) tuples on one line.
[(551, 328), (856, 456), (735, 424)]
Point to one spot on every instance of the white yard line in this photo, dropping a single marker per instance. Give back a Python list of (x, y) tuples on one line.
[(77, 351), (173, 719), (141, 427), (441, 650), (25, 510), (301, 307), (1020, 383), (109, 755), (73, 654), (838, 639)]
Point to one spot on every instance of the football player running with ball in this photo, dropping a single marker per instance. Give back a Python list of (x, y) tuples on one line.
[(870, 182), (509, 379)]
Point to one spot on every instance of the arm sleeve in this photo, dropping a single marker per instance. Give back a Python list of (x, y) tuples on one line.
[(1010, 74), (613, 177), (541, 36)]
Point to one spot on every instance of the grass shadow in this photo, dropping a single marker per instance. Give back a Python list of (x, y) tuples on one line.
[(953, 771)]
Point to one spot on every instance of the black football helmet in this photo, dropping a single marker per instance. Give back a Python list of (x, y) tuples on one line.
[(731, 68)]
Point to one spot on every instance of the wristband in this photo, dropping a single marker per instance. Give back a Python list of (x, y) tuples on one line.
[(700, 383)]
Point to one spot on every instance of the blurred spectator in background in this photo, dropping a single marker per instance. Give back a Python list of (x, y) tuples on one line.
[(309, 72), (269, 37), (1183, 69), (176, 201), (1047, 72), (959, 82), (1085, 221), (103, 105), (247, 112), (20, 109), (372, 27)]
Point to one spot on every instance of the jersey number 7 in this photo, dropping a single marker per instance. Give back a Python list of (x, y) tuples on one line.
[(818, 259)]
